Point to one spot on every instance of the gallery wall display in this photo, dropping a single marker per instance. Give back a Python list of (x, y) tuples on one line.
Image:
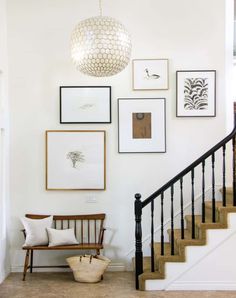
[(142, 125), (150, 74), (75, 160), (85, 104), (196, 93)]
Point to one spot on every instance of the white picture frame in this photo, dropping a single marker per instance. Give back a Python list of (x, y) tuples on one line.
[(75, 160), (85, 104), (137, 135), (150, 74), (196, 93)]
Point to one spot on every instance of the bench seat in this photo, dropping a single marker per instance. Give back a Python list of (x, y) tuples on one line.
[(84, 246)]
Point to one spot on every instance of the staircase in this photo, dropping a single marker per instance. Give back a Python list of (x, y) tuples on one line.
[(192, 228)]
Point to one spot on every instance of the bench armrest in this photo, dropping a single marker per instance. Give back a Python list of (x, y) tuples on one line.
[(101, 236), (24, 233)]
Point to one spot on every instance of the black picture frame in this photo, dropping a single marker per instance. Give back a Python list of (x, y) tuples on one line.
[(204, 85), (154, 106), (90, 99)]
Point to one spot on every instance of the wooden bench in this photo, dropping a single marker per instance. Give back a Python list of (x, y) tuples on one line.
[(89, 232)]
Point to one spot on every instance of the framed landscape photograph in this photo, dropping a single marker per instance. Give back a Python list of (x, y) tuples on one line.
[(85, 104), (196, 93), (150, 74), (75, 160), (142, 125)]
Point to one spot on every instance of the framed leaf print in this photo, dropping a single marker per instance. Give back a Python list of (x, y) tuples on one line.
[(142, 125), (196, 93), (75, 160)]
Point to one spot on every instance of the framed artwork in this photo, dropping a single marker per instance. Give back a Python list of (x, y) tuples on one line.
[(75, 160), (196, 93), (85, 104), (150, 74), (142, 125)]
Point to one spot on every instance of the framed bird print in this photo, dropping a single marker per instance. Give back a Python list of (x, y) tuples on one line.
[(150, 74), (196, 93)]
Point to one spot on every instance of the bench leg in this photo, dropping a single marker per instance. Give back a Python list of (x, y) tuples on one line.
[(31, 260), (26, 264), (98, 252)]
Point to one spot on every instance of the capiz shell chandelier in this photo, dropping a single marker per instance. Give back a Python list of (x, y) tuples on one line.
[(100, 46)]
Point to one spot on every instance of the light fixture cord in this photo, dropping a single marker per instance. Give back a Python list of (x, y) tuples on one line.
[(100, 7)]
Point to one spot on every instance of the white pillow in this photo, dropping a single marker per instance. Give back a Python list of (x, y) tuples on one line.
[(36, 233), (61, 237)]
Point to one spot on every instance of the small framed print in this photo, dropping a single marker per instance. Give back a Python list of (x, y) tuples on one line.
[(196, 93), (150, 74), (142, 125), (75, 160), (85, 104)]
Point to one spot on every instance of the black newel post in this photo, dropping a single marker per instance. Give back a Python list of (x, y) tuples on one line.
[(138, 238)]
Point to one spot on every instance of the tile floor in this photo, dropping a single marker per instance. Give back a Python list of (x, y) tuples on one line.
[(115, 284)]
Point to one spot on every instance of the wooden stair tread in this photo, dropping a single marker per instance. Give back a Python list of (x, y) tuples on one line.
[(229, 190), (228, 208), (187, 238), (167, 248), (167, 253), (151, 275), (147, 269), (208, 224), (198, 218)]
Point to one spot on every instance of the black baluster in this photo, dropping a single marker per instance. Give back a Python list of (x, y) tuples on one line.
[(234, 178), (138, 238), (172, 221), (224, 186), (203, 191), (213, 188), (193, 216), (162, 225), (182, 208), (152, 236)]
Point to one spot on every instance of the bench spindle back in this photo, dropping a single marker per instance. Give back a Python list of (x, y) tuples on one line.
[(88, 228)]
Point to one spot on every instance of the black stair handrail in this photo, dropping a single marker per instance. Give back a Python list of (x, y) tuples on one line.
[(189, 168), (139, 205)]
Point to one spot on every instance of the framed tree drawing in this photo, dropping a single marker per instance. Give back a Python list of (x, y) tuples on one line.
[(150, 74), (196, 93), (85, 104), (142, 125), (75, 160)]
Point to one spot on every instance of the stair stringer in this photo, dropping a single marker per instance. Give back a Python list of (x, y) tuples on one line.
[(202, 269)]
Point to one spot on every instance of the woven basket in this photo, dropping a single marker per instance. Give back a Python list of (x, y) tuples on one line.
[(88, 268)]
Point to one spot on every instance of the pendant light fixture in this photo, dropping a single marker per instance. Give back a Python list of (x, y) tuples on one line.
[(100, 46)]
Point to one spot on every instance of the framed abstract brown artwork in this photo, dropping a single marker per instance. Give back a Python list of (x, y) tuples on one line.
[(141, 125)]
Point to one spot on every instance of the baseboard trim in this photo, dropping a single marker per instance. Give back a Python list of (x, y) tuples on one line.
[(203, 285), (113, 267), (4, 276)]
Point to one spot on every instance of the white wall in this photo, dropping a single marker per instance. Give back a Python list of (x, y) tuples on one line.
[(229, 62), (190, 33), (4, 147)]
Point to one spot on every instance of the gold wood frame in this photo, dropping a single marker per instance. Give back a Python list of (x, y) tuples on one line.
[(46, 160)]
